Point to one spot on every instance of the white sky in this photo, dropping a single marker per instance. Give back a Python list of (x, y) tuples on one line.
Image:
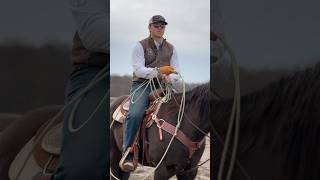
[(188, 30)]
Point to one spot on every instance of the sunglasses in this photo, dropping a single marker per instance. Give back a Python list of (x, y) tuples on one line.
[(159, 26)]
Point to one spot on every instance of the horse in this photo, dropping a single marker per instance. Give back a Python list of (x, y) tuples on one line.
[(177, 161), (19, 132), (279, 130)]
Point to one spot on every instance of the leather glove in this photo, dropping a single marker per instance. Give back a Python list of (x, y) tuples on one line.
[(167, 70)]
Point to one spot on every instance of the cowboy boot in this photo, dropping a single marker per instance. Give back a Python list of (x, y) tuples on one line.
[(126, 162)]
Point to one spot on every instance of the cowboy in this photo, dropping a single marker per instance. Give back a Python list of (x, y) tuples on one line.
[(150, 55), (83, 153)]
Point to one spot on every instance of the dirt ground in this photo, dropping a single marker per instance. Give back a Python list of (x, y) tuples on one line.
[(203, 172)]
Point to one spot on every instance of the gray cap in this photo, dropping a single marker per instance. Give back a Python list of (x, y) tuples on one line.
[(157, 19)]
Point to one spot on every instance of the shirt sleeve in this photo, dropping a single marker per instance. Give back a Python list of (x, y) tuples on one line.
[(138, 63), (174, 62), (92, 23)]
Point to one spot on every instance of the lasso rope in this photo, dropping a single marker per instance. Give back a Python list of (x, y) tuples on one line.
[(234, 118), (179, 119)]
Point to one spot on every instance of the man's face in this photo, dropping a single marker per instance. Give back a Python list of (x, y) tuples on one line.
[(157, 29)]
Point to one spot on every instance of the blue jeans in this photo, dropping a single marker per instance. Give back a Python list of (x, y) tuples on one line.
[(84, 154), (136, 113)]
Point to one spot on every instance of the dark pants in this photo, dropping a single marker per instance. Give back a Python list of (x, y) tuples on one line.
[(136, 113), (84, 154)]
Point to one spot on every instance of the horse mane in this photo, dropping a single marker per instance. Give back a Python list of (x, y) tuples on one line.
[(196, 97), (284, 118)]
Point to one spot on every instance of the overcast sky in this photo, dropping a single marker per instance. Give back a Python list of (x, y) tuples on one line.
[(263, 33), (188, 30)]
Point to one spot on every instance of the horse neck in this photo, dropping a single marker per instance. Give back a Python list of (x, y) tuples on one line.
[(196, 114), (273, 108)]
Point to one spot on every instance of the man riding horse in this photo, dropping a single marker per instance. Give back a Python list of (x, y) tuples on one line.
[(150, 56)]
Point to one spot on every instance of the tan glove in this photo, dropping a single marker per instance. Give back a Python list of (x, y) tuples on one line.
[(167, 70)]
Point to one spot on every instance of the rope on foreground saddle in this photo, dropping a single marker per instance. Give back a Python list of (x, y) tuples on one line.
[(100, 76), (234, 118)]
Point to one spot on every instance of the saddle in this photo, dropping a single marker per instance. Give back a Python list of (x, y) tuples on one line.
[(45, 157), (122, 110), (47, 151)]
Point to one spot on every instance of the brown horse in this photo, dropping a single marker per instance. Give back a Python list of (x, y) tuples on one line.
[(279, 130), (176, 161), (19, 132)]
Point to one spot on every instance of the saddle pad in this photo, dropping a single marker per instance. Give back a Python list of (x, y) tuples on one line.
[(31, 168), (52, 140)]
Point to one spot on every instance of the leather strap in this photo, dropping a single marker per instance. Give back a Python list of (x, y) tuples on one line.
[(191, 145)]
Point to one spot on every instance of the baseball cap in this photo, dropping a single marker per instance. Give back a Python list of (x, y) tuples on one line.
[(157, 19)]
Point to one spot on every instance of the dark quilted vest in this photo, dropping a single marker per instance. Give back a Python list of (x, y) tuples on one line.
[(153, 56)]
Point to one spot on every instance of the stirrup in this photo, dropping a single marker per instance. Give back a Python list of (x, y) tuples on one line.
[(122, 162)]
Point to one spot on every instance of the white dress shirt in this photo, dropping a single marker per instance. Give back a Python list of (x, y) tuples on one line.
[(138, 63)]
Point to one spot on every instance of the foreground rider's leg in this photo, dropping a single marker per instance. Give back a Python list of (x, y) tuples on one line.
[(135, 114), (84, 154)]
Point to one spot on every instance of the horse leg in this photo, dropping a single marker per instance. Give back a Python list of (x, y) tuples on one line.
[(190, 175), (162, 173)]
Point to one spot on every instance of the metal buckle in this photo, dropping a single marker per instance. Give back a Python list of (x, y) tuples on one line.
[(154, 116), (160, 125)]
